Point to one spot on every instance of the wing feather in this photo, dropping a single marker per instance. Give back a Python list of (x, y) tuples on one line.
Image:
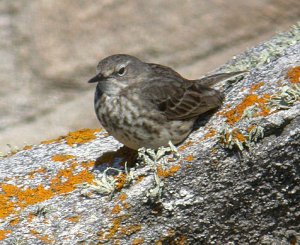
[(178, 98)]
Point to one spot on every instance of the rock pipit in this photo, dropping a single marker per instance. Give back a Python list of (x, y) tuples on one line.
[(147, 105)]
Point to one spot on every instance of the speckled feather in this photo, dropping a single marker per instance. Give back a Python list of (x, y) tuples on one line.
[(150, 104)]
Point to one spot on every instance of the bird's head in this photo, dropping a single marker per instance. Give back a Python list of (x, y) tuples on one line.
[(117, 72)]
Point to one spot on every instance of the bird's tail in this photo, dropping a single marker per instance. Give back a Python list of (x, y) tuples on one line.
[(220, 77)]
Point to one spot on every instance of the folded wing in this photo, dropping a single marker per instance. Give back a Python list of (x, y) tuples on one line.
[(180, 99)]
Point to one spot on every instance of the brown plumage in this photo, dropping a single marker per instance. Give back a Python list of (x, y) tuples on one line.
[(146, 105)]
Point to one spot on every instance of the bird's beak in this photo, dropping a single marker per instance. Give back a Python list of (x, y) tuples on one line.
[(97, 78)]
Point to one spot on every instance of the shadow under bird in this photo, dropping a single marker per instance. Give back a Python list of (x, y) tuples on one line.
[(147, 105)]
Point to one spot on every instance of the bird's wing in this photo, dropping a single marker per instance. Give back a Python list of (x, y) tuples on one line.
[(178, 98)]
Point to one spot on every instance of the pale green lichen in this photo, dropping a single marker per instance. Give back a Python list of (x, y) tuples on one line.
[(271, 50), (103, 186), (231, 138), (286, 98), (255, 134), (251, 111), (153, 158), (107, 185), (154, 194)]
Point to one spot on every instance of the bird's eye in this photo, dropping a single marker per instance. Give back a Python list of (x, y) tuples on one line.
[(121, 71)]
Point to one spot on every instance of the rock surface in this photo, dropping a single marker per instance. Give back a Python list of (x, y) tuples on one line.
[(237, 180), (49, 49)]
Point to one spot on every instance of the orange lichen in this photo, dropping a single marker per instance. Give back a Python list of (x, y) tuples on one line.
[(28, 196), (181, 240), (73, 219), (122, 197), (189, 158), (172, 238), (77, 137), (167, 172), (4, 233), (293, 240), (234, 135), (61, 158), (43, 238), (235, 114), (36, 171), (116, 231), (139, 179), (120, 181), (116, 209), (209, 134), (14, 221), (88, 164), (114, 228), (27, 147), (100, 234), (250, 128), (30, 216), (47, 142), (116, 242), (185, 145), (7, 206), (294, 75), (130, 229), (80, 137), (126, 205), (138, 241), (13, 197), (65, 181), (237, 135), (170, 233), (256, 86)]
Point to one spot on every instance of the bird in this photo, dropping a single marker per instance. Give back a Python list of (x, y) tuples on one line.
[(147, 105)]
